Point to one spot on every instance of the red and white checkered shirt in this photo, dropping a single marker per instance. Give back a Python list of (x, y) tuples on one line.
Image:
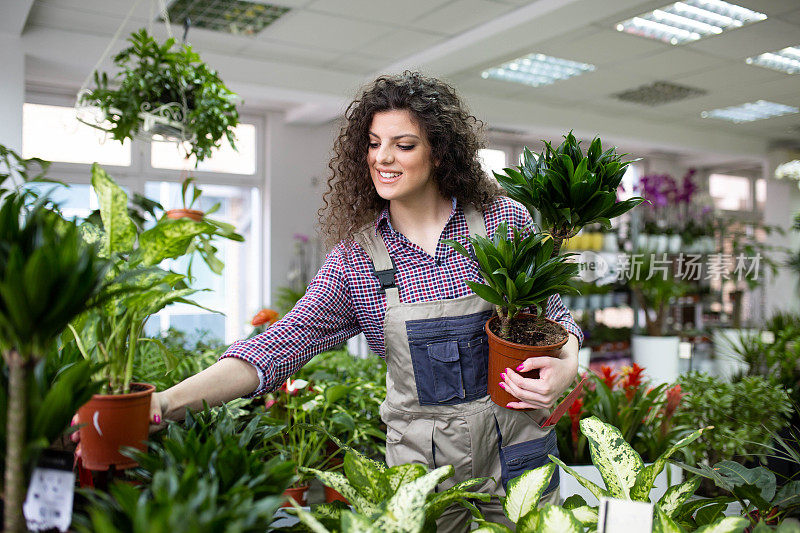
[(345, 299)]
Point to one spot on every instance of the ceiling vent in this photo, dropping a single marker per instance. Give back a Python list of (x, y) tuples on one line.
[(658, 93), (229, 16)]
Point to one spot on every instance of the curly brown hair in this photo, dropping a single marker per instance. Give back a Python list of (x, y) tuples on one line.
[(351, 200)]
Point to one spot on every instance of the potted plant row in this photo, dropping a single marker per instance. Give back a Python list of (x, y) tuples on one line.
[(569, 190)]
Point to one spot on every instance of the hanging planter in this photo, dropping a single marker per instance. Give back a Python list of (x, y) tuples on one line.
[(162, 92)]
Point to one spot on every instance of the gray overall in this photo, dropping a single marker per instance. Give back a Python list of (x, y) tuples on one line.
[(437, 410)]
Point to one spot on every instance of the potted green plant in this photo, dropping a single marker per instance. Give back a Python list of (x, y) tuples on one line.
[(48, 275), (164, 90), (519, 272), (113, 333), (188, 201)]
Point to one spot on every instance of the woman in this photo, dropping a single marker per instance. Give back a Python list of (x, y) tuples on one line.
[(406, 176)]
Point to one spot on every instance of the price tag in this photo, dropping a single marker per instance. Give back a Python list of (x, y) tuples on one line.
[(624, 516), (768, 337), (50, 494)]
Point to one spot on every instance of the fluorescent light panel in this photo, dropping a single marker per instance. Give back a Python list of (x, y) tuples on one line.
[(689, 20), (786, 60), (537, 70), (751, 111)]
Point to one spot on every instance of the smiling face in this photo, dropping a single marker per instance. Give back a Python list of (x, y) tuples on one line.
[(399, 157)]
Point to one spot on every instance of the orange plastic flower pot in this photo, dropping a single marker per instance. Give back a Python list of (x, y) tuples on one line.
[(333, 495), (193, 214), (112, 421), (298, 494), (504, 354)]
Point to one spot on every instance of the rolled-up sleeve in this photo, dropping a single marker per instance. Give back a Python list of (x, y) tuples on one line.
[(557, 311), (323, 318)]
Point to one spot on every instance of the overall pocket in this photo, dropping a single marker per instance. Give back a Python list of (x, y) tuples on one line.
[(445, 363), (519, 458)]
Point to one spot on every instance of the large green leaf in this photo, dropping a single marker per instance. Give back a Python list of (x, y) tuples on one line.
[(337, 481), (308, 519), (729, 524), (120, 231), (523, 492), (647, 476), (595, 489), (400, 474), (617, 461), (365, 478), (555, 519), (663, 523), (676, 495), (405, 511), (169, 239)]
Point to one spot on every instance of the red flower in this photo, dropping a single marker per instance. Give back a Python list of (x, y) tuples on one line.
[(608, 376), (265, 316), (674, 396), (575, 411), (631, 380), (293, 387)]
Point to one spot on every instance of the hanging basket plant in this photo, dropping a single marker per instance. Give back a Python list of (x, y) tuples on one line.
[(162, 92)]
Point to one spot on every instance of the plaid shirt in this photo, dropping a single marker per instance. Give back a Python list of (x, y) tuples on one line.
[(345, 299)]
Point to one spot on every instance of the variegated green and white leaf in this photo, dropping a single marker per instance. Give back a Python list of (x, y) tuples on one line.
[(595, 489), (439, 502), (585, 515), (555, 519), (400, 474), (120, 232), (308, 519), (529, 522), (337, 481), (647, 476), (491, 527), (169, 239), (663, 523), (356, 523), (617, 461), (523, 492), (406, 509), (729, 524), (365, 478), (673, 499)]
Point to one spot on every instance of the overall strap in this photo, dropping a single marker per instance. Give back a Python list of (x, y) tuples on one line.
[(475, 221), (382, 264)]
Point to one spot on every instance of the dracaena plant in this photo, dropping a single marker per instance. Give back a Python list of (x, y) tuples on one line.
[(625, 476), (48, 275), (383, 498), (569, 189), (519, 272)]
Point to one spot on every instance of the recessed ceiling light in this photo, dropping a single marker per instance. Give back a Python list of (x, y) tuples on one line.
[(689, 20), (786, 60), (751, 111), (537, 70), (238, 17)]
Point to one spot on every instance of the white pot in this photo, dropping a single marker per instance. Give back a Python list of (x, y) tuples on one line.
[(569, 485), (643, 241), (584, 355), (675, 243), (661, 244), (658, 356), (726, 361)]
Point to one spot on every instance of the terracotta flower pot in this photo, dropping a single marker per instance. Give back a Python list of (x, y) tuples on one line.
[(504, 354), (333, 495), (193, 214), (112, 421), (298, 494)]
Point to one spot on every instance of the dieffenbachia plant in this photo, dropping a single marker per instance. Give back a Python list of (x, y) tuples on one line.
[(386, 499), (569, 189), (625, 476), (519, 272)]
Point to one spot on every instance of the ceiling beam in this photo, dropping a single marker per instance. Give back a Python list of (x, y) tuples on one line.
[(15, 14)]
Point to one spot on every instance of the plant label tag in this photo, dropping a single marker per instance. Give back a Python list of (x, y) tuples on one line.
[(768, 337), (624, 516), (48, 504)]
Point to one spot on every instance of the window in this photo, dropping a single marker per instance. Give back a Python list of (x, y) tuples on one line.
[(242, 160), (731, 193), (492, 160), (53, 133)]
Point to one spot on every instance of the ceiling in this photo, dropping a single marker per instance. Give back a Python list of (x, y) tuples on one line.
[(311, 62)]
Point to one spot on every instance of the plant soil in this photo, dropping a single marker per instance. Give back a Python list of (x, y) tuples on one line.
[(532, 331)]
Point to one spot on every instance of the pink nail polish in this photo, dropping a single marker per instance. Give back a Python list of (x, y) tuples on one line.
[(519, 368), (502, 385), (157, 419), (503, 375)]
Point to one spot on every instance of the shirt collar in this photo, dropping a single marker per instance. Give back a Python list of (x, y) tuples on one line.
[(383, 217)]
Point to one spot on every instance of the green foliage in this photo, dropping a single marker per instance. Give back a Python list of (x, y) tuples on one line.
[(396, 499), (569, 189), (151, 75), (191, 356), (16, 171), (655, 288), (214, 473), (736, 410), (519, 271), (55, 388)]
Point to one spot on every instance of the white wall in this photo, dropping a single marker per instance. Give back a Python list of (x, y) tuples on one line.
[(296, 159), (12, 91), (783, 201)]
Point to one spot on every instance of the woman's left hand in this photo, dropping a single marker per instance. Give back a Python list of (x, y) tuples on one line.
[(555, 375)]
